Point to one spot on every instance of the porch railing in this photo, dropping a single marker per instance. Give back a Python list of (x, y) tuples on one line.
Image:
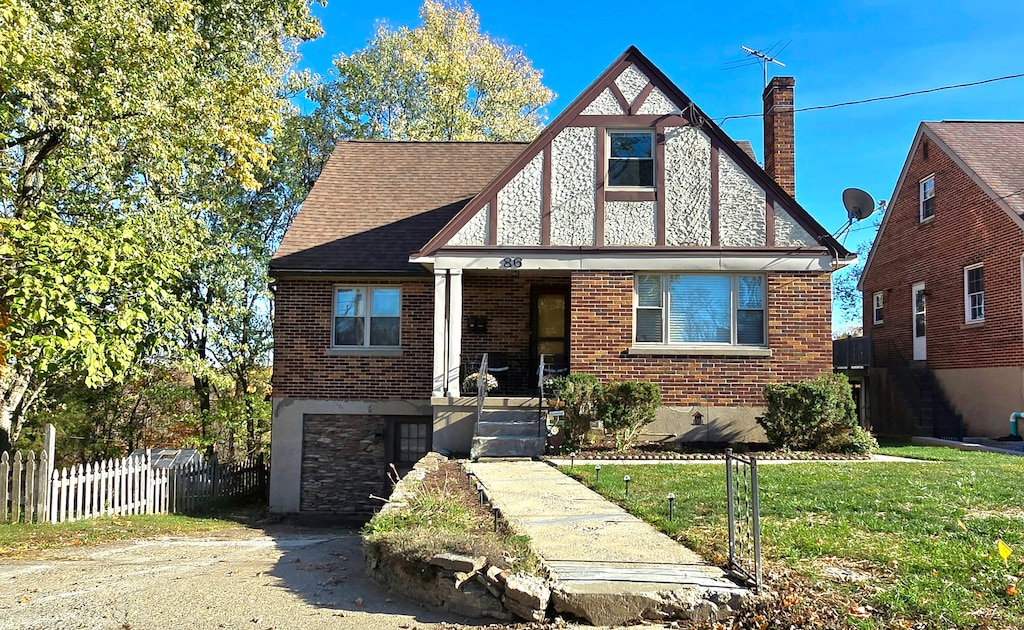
[(481, 392)]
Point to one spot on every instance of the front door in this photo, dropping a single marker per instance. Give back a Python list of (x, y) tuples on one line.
[(549, 328), (920, 312)]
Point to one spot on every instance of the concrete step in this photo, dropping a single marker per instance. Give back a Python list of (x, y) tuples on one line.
[(485, 446), (509, 415), (506, 429)]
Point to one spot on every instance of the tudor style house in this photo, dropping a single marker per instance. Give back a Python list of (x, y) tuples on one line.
[(632, 239), (942, 285)]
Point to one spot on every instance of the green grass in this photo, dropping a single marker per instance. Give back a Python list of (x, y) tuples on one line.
[(924, 532), (23, 540)]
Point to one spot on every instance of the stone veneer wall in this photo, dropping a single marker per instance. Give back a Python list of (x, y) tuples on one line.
[(343, 463), (799, 336)]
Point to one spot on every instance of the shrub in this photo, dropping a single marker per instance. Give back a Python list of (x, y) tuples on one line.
[(577, 395), (814, 415), (862, 442), (626, 407)]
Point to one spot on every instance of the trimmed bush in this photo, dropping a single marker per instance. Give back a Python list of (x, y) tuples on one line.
[(577, 395), (626, 407), (814, 415)]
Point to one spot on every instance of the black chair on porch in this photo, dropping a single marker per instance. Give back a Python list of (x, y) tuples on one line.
[(498, 365)]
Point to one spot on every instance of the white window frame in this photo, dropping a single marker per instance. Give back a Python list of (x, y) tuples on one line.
[(368, 290), (878, 307), (666, 305), (968, 311), (608, 158), (921, 190)]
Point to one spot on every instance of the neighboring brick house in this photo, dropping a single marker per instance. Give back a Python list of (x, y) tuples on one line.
[(632, 239), (942, 285)]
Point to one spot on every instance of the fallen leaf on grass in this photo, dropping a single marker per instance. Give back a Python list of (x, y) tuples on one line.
[(23, 600)]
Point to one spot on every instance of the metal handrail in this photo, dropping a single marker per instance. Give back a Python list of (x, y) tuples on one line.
[(542, 400), (481, 392)]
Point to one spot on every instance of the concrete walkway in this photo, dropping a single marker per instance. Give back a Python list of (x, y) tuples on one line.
[(607, 566)]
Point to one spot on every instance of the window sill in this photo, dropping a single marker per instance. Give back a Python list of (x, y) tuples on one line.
[(926, 221), (700, 351), (630, 194), (363, 352), (969, 325)]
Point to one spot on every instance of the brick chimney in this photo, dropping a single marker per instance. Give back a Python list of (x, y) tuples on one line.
[(779, 152)]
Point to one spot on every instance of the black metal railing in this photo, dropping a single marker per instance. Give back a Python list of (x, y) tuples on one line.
[(744, 517)]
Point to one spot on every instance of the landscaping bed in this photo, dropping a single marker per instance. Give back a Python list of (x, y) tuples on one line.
[(437, 543), (701, 451)]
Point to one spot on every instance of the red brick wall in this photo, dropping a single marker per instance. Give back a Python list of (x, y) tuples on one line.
[(968, 228), (799, 335), (302, 334)]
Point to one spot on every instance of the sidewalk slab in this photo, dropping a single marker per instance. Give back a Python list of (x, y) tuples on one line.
[(606, 565)]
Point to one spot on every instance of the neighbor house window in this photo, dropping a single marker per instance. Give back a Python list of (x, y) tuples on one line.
[(700, 309), (367, 317), (878, 302), (974, 293), (631, 159), (927, 198)]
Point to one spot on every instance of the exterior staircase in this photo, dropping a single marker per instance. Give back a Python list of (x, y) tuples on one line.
[(926, 402), (507, 433)]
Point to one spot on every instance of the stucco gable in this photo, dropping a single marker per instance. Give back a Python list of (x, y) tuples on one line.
[(708, 192)]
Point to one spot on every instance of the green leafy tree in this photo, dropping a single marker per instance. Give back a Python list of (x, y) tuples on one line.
[(113, 115), (444, 80)]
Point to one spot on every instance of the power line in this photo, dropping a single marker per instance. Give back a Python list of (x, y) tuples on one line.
[(885, 98)]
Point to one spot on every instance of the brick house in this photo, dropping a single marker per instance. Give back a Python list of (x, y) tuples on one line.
[(632, 239), (942, 285)]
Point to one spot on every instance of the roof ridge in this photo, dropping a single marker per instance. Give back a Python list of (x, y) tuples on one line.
[(384, 141), (973, 122)]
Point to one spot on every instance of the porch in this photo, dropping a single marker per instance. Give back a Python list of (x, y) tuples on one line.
[(514, 317)]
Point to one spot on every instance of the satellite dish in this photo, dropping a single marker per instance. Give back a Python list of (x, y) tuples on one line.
[(859, 204)]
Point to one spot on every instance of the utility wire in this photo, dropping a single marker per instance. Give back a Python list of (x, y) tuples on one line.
[(885, 98)]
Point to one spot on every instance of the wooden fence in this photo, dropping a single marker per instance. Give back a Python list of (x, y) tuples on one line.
[(29, 492)]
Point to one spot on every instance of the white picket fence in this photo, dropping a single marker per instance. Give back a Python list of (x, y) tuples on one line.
[(111, 487), (30, 492)]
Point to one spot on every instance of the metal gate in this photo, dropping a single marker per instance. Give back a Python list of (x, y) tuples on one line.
[(744, 517)]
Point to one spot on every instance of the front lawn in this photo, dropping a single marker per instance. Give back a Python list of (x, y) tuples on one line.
[(879, 544)]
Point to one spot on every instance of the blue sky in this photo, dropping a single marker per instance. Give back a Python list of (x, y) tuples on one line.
[(838, 51)]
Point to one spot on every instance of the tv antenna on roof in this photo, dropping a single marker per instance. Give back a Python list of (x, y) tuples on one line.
[(765, 60)]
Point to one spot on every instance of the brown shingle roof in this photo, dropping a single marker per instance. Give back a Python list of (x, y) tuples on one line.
[(994, 150), (377, 202)]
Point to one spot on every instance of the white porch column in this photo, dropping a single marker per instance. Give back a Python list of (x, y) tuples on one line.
[(454, 330), (440, 324)]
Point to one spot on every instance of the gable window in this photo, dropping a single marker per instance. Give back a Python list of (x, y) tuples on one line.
[(698, 309), (367, 317), (630, 159), (877, 303), (974, 293), (927, 187)]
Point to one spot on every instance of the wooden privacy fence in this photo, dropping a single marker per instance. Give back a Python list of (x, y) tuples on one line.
[(29, 492)]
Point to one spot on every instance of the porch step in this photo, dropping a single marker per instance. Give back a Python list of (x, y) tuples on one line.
[(509, 415), (506, 429), (503, 446)]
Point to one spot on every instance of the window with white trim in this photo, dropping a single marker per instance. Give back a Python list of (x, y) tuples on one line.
[(927, 190), (878, 301), (367, 317), (630, 159), (700, 309), (974, 293)]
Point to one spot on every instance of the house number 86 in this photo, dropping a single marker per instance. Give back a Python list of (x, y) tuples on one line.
[(511, 263)]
